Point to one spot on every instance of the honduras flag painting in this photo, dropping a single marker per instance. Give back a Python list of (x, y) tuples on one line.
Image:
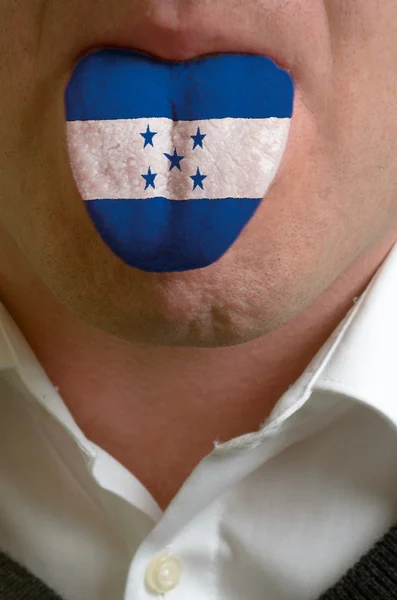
[(172, 159)]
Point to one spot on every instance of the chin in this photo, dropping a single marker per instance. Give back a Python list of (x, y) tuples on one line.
[(222, 305)]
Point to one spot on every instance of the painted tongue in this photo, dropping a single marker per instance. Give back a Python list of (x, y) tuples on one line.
[(173, 158)]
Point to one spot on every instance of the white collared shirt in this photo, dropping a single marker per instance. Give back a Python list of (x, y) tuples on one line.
[(277, 514)]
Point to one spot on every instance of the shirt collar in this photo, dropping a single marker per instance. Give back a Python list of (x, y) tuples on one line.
[(363, 365), (357, 361), (17, 358)]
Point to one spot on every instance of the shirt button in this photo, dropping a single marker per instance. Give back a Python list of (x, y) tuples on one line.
[(163, 573)]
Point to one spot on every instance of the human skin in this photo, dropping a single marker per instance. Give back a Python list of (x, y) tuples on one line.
[(206, 354)]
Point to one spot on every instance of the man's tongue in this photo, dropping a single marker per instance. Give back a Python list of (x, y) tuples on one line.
[(173, 159)]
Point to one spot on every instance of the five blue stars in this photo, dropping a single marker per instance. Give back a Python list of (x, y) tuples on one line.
[(148, 136), (149, 178), (198, 179), (175, 160), (198, 138)]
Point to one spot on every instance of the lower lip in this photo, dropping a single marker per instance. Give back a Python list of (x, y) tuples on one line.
[(173, 159)]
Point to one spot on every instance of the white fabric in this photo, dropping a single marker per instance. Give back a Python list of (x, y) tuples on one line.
[(278, 514)]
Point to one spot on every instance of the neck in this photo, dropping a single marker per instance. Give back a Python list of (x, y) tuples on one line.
[(125, 396)]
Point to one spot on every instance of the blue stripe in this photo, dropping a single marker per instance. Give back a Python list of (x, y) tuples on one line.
[(122, 84), (161, 235)]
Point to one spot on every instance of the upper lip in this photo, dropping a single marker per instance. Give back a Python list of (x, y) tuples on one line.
[(192, 37)]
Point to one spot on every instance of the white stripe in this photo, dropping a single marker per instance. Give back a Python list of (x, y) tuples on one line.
[(239, 156)]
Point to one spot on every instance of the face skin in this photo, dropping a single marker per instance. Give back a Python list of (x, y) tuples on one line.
[(135, 354)]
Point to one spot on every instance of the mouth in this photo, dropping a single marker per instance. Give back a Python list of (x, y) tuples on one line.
[(173, 153)]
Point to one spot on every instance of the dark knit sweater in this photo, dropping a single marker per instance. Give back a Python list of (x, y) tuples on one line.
[(373, 577)]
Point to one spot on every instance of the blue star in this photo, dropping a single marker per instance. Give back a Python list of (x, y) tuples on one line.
[(149, 178), (198, 138), (148, 136), (175, 160), (198, 179)]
